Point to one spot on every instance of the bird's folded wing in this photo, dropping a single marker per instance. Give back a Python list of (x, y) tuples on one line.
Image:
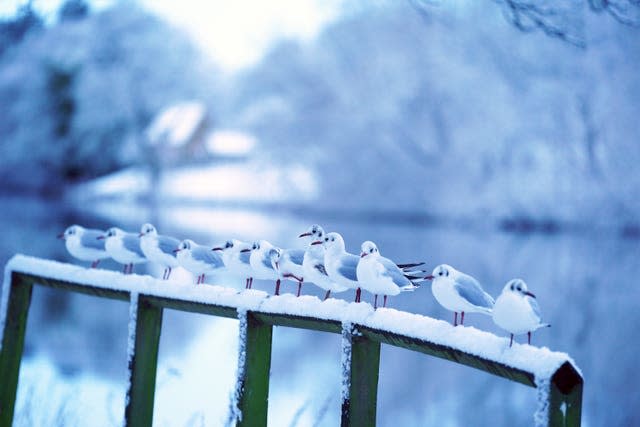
[(89, 239)]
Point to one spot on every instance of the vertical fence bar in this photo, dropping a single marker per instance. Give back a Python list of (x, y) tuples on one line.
[(360, 368), (254, 364), (15, 325), (145, 324), (565, 397)]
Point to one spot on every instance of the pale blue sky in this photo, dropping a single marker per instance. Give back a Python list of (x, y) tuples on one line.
[(235, 33)]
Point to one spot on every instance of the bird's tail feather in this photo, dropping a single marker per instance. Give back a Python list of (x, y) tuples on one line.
[(410, 265), (409, 288)]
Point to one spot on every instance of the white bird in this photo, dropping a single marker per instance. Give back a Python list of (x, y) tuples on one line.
[(199, 260), (380, 275), (313, 262), (288, 263), (124, 248), (260, 260), (236, 255), (459, 292), (341, 266), (516, 310), (83, 244), (290, 266), (159, 248)]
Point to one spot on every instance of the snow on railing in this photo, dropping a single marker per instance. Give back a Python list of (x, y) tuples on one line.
[(363, 329)]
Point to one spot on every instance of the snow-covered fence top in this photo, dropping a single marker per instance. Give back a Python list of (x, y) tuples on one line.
[(363, 329)]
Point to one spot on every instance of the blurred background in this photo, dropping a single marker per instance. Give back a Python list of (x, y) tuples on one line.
[(500, 137)]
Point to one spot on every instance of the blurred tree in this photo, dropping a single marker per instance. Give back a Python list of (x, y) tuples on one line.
[(13, 30), (73, 10), (562, 19)]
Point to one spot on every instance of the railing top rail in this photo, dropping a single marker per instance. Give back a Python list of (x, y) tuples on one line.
[(467, 345)]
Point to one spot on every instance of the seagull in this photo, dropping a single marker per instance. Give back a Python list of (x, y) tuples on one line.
[(236, 255), (260, 260), (517, 311), (459, 292), (290, 266), (380, 275), (83, 243), (159, 248), (313, 262), (340, 265), (198, 259), (123, 247)]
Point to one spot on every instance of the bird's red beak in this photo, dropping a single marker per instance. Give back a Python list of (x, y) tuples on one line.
[(217, 248), (530, 294), (305, 234), (429, 277), (100, 237), (363, 254), (141, 234), (61, 236), (176, 250), (317, 242), (245, 250)]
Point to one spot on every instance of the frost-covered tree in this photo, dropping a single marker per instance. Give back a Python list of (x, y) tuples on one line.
[(73, 10), (14, 29), (453, 111), (77, 95)]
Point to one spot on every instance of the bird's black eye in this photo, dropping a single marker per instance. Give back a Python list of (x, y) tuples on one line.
[(446, 273), (519, 288), (440, 273), (333, 239), (512, 287), (371, 250)]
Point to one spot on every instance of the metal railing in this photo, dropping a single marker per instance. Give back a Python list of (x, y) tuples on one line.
[(360, 346)]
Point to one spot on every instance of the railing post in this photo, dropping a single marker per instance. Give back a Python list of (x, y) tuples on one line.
[(145, 324), (565, 397), (254, 363), (360, 366), (15, 324)]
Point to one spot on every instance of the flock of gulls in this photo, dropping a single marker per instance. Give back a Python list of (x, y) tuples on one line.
[(324, 262)]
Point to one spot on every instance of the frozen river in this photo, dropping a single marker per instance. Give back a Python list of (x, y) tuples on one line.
[(586, 286)]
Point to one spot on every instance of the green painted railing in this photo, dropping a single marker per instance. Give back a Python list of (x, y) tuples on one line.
[(360, 348)]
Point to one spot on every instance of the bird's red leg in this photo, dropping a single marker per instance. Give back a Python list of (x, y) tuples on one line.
[(529, 337), (169, 273), (246, 283), (511, 342), (385, 301), (299, 288), (326, 296), (375, 301), (94, 264), (277, 292), (250, 282), (455, 318), (462, 318)]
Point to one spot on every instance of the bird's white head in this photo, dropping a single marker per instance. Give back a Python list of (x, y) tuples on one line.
[(333, 242), (443, 271), (315, 232), (148, 230), (185, 245), (274, 255), (72, 230), (368, 248), (518, 286), (113, 232), (229, 244)]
